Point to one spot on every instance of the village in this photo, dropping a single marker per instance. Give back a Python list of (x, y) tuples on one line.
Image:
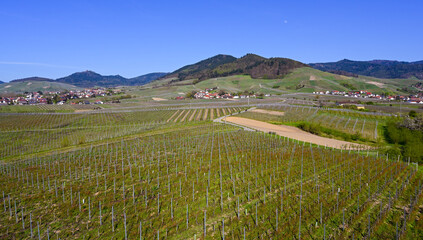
[(214, 93), (59, 98), (414, 99)]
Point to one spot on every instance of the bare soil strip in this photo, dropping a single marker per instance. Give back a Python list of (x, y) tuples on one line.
[(294, 133), (159, 99), (192, 115), (378, 84), (217, 112), (198, 118), (224, 112), (176, 119), (172, 116), (211, 114), (205, 114), (185, 115), (276, 113)]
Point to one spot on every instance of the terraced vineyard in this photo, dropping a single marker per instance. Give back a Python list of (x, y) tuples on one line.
[(173, 174)]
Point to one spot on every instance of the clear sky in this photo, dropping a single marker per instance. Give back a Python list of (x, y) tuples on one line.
[(130, 38)]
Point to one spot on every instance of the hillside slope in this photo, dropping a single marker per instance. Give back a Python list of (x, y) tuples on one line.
[(199, 69), (304, 79), (144, 79)]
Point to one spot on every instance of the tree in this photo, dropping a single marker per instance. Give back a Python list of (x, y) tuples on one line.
[(56, 98), (190, 94), (412, 114)]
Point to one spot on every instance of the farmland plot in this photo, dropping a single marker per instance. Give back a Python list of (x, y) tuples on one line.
[(207, 181)]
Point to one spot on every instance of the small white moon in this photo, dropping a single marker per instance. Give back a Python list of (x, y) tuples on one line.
[(285, 21)]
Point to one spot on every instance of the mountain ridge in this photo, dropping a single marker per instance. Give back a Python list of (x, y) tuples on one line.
[(390, 69), (93, 79), (34, 79)]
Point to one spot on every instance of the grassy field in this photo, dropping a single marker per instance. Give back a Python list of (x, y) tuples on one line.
[(170, 172)]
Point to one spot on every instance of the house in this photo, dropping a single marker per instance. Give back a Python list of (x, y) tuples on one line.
[(98, 102), (21, 101), (42, 101), (180, 98), (214, 95), (32, 101)]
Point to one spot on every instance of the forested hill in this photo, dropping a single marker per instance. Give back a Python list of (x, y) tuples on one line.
[(226, 65), (375, 68)]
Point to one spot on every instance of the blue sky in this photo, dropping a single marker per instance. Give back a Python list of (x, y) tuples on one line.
[(131, 38)]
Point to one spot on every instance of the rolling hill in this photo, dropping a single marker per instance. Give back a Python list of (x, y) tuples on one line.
[(34, 86), (303, 79), (83, 79), (375, 68), (92, 79), (144, 79), (226, 65), (33, 79)]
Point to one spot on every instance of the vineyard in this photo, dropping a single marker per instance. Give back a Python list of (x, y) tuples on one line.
[(172, 173), (365, 124), (30, 133)]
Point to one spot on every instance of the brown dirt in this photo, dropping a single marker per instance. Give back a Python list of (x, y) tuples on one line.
[(192, 115), (276, 113), (205, 114), (176, 119), (378, 84), (172, 115), (159, 99), (185, 116), (83, 110), (294, 133), (198, 118)]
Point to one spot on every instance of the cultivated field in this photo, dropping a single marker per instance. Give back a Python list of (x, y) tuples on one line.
[(170, 172)]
